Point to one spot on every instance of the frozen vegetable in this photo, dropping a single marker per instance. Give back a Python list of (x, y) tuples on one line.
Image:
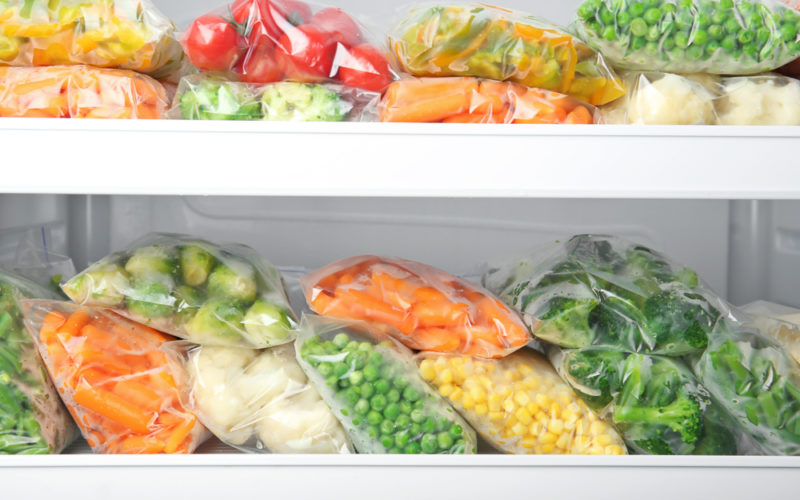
[(209, 294), (498, 44), (520, 405), (32, 419), (729, 37), (373, 386), (127, 34), (421, 306), (655, 402), (603, 290), (79, 92), (780, 323), (113, 377), (264, 41), (470, 100), (759, 100), (258, 401)]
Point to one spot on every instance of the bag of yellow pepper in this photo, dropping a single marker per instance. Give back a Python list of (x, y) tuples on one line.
[(498, 44), (127, 34), (520, 404)]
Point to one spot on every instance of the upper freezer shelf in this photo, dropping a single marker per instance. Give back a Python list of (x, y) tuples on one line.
[(398, 160)]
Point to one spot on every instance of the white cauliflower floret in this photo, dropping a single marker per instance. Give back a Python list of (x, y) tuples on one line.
[(668, 100), (767, 100)]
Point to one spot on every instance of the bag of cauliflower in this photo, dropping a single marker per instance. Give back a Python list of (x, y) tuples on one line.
[(759, 100), (258, 401)]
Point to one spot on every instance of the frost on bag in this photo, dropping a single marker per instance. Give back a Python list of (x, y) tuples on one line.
[(258, 401), (264, 41), (423, 307), (603, 290), (110, 373), (205, 97), (471, 100), (656, 402), (520, 405), (209, 294), (127, 34), (373, 386), (727, 37), (80, 92), (32, 419), (498, 44)]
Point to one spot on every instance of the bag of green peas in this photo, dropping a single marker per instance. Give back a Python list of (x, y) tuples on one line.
[(375, 390), (726, 37)]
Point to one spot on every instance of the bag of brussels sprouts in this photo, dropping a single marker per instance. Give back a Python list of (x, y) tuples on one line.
[(726, 37), (210, 294), (374, 388)]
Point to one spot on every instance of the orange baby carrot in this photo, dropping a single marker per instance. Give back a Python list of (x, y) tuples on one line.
[(50, 325), (76, 321), (441, 313), (142, 445), (138, 394), (113, 408), (179, 434)]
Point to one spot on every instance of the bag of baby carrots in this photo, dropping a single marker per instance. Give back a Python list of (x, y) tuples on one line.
[(116, 382), (473, 100), (423, 307)]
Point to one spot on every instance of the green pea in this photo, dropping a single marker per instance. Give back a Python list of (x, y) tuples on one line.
[(420, 404), (370, 372), (754, 21), (745, 36), (373, 431), (638, 27), (636, 9), (362, 406), (329, 346), (444, 440), (325, 369), (726, 4), (595, 27), (358, 360), (400, 382), (585, 11), (605, 16), (378, 402), (442, 424), (728, 44), (340, 369), (351, 396), (401, 439), (456, 431), (402, 421), (694, 52), (652, 34), (702, 19), (716, 32), (414, 430), (686, 4), (667, 44), (393, 396), (386, 371), (392, 411), (405, 407), (793, 47), (412, 448), (732, 26), (394, 450), (684, 19), (652, 16), (382, 386), (417, 415), (719, 17), (428, 425), (343, 383), (623, 19), (374, 418), (356, 377), (711, 47), (365, 347), (345, 412), (638, 43), (332, 381), (751, 50), (745, 8), (376, 359), (367, 390), (387, 427), (700, 37), (682, 39), (460, 446), (762, 35), (341, 340), (356, 420), (651, 49), (788, 32), (411, 394), (669, 8), (428, 443), (352, 345)]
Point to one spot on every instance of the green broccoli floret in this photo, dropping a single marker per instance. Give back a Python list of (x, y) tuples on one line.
[(235, 280), (643, 262), (595, 252), (617, 322), (291, 101), (654, 446), (679, 322), (196, 263), (217, 100), (717, 439), (595, 374), (566, 322)]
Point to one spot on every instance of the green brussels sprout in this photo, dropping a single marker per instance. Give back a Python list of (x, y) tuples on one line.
[(235, 280), (268, 324), (151, 300), (187, 301), (102, 285), (216, 321), (151, 262), (196, 263)]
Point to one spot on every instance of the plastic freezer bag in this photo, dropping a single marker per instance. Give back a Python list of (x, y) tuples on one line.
[(114, 379), (520, 405), (781, 323), (603, 290), (373, 386), (259, 401), (263, 41), (656, 402), (79, 92), (32, 419), (423, 307), (726, 37), (210, 294), (759, 100), (204, 97), (471, 100), (498, 44), (128, 34)]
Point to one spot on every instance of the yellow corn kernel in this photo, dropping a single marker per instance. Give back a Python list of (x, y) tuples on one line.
[(549, 437), (568, 415), (506, 392), (556, 426), (597, 450), (555, 410), (531, 383), (486, 382), (496, 416), (564, 399), (511, 420), (524, 416), (467, 401), (613, 450), (446, 390), (591, 416), (519, 430), (603, 440), (508, 405), (524, 368), (581, 442), (528, 443), (542, 400), (579, 427), (540, 417), (426, 368), (536, 429), (456, 394), (495, 402), (563, 441), (569, 425), (478, 394), (508, 377), (446, 376), (597, 427), (548, 448), (574, 408), (522, 398), (532, 408), (481, 409)]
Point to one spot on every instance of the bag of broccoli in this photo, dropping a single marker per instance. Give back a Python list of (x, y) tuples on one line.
[(194, 289), (726, 37)]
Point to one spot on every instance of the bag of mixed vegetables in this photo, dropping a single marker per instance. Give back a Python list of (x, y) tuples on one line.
[(498, 44), (80, 92), (258, 401), (423, 307), (373, 386), (127, 34), (726, 37), (264, 41), (210, 294), (206, 97), (113, 378), (32, 419), (471, 100), (605, 291), (520, 405)]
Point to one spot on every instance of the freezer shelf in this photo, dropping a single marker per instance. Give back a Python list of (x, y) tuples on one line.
[(380, 159)]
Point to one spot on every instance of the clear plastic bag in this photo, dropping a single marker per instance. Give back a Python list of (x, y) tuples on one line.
[(264, 41), (781, 323), (258, 401), (498, 44), (725, 37), (603, 290), (520, 405), (374, 387), (471, 100), (210, 294), (656, 402), (423, 307), (113, 378), (32, 419), (127, 34), (79, 92), (37, 260), (759, 100), (206, 97)]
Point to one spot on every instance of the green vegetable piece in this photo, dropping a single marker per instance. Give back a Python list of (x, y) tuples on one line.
[(235, 280), (636, 9), (268, 324), (217, 321), (150, 300), (638, 27), (196, 263), (652, 16), (290, 101), (211, 99), (609, 33), (103, 285), (151, 263)]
